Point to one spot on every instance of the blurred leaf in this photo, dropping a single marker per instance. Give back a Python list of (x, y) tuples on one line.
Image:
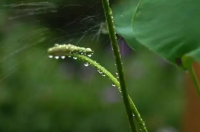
[(170, 29)]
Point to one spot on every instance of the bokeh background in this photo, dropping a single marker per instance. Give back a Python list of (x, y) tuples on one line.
[(38, 94)]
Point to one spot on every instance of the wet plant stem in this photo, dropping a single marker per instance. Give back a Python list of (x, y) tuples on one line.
[(134, 112), (83, 54), (115, 47), (113, 38)]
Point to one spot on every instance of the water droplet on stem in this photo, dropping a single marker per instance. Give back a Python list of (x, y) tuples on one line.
[(113, 85), (90, 55), (50, 56), (56, 57), (74, 58), (63, 57), (86, 64)]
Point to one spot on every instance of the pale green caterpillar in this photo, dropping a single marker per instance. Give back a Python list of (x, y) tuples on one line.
[(68, 50)]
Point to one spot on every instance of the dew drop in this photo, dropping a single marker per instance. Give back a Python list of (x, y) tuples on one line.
[(56, 57), (88, 49), (90, 55), (74, 58), (63, 57), (117, 75), (86, 64), (113, 85), (103, 75), (99, 72), (50, 56)]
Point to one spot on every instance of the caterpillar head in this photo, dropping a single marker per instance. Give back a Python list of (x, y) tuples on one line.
[(68, 50)]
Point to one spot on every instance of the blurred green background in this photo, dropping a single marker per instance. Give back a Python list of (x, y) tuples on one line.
[(38, 94)]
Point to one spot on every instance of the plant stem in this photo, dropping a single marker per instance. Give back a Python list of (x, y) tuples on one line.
[(138, 118), (194, 79), (114, 80), (115, 47)]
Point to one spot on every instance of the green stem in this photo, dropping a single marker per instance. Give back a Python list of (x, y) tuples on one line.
[(115, 47), (114, 80), (194, 79), (138, 118), (82, 53)]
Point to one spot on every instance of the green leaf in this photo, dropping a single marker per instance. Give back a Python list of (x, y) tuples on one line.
[(123, 13), (169, 28)]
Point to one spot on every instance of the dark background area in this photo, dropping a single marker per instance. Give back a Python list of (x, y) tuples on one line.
[(38, 94)]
